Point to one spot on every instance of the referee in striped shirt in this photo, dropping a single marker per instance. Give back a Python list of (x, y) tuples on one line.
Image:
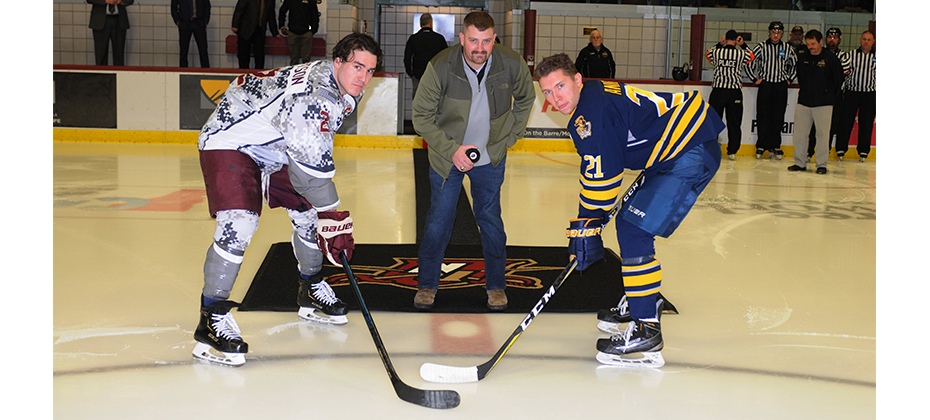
[(727, 94), (859, 98), (773, 72)]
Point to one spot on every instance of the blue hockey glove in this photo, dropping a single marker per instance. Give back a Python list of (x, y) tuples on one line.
[(584, 241)]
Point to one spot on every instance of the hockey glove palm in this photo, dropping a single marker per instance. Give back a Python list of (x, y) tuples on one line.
[(584, 241), (334, 235)]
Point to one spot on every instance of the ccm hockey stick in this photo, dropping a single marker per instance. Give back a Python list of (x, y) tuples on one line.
[(440, 399), (452, 374)]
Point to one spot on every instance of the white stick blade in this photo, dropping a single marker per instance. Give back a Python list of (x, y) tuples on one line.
[(448, 374)]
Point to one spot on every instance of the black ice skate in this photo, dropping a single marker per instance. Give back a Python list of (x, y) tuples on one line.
[(640, 338), (609, 320), (319, 303), (217, 335)]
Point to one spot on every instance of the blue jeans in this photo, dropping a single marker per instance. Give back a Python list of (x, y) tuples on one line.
[(486, 181)]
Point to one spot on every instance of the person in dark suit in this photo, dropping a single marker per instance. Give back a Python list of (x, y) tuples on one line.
[(250, 20), (109, 21), (192, 17)]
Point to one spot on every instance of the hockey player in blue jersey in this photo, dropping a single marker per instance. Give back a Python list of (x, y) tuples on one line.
[(672, 138)]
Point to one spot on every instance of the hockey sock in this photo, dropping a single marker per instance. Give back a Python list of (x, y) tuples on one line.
[(234, 230), (303, 239), (642, 279)]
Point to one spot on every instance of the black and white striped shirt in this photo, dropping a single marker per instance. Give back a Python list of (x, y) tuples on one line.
[(861, 76), (729, 63), (773, 62)]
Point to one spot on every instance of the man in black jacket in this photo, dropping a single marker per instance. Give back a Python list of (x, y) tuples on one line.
[(595, 60), (421, 48), (109, 22), (302, 25), (192, 17), (820, 76), (251, 18)]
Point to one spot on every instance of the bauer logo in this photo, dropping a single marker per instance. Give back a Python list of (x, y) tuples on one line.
[(335, 228)]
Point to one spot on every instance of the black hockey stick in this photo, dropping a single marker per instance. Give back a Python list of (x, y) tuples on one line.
[(452, 374), (429, 398)]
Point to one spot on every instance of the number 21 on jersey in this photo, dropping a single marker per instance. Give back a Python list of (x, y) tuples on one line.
[(593, 170)]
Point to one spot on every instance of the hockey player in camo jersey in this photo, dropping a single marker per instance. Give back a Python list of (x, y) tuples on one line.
[(672, 138), (271, 139)]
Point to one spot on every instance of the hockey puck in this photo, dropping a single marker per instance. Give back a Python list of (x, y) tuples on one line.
[(473, 154)]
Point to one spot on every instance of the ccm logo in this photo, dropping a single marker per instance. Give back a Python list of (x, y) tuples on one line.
[(338, 228)]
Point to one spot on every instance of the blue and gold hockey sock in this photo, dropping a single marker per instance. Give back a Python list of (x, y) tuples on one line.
[(641, 282)]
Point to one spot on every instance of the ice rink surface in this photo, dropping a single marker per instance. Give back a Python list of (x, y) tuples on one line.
[(774, 274)]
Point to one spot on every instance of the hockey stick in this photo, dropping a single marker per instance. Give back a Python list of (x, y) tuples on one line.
[(452, 374), (440, 399)]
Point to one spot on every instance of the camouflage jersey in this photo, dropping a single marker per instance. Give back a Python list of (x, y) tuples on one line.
[(282, 116)]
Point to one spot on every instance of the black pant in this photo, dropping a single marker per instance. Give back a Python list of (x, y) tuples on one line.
[(729, 101), (102, 37), (863, 104), (185, 30), (770, 114), (251, 46)]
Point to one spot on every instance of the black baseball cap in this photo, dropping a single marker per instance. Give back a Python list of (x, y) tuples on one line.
[(776, 25), (834, 31), (797, 30), (731, 35)]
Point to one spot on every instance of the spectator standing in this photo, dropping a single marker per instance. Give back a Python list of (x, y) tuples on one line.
[(796, 39), (303, 22), (772, 73), (730, 58), (109, 22), (421, 48), (859, 98), (475, 95), (191, 18), (595, 60), (251, 18), (820, 76)]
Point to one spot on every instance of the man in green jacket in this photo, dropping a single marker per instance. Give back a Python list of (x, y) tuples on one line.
[(476, 95)]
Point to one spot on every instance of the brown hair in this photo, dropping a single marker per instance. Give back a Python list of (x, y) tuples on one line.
[(480, 19), (346, 47), (560, 61)]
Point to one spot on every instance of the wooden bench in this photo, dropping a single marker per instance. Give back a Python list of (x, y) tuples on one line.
[(278, 46)]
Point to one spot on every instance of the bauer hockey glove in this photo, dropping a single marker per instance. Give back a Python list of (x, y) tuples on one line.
[(334, 235), (584, 241)]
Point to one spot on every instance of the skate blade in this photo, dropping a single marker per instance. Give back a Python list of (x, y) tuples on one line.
[(312, 314), (209, 354), (647, 359), (611, 328)]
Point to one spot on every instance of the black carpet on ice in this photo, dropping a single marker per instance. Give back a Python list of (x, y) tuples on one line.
[(388, 280)]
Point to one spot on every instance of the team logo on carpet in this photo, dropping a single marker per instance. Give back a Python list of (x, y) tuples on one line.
[(456, 273)]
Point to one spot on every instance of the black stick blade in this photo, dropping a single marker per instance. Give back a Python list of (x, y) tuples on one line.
[(429, 398)]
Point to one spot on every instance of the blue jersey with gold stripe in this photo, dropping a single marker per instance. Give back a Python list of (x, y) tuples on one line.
[(618, 126)]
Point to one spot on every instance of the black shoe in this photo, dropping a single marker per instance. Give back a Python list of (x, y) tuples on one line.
[(822, 171), (839, 155), (796, 168)]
